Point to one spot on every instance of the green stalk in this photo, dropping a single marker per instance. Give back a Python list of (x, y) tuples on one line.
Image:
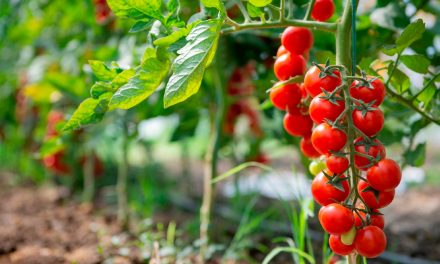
[(121, 186), (330, 27), (211, 157)]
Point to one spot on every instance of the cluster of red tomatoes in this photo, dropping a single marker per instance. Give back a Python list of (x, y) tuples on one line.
[(240, 89), (317, 111)]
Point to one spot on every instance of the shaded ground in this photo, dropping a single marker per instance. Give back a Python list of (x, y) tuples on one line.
[(39, 226)]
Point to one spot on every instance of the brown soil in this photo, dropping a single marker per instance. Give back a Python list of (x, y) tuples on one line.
[(41, 226)]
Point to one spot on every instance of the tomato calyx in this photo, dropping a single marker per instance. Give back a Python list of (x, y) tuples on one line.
[(326, 70), (335, 180), (364, 81), (332, 97), (374, 191)]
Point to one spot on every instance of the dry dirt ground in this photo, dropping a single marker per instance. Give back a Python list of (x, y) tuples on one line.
[(39, 226)]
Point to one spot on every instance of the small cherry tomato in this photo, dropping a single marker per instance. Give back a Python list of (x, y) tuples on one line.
[(385, 175), (375, 149), (316, 166), (314, 84), (321, 109), (326, 138), (298, 124), (338, 247), (376, 93), (308, 149), (325, 193), (371, 123), (370, 241), (336, 219), (337, 164), (376, 219), (383, 198), (288, 95), (297, 40), (323, 10), (289, 65)]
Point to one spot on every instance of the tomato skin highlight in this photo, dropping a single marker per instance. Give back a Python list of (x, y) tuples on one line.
[(376, 151), (289, 65), (323, 10), (288, 95), (297, 40), (314, 84), (367, 95), (321, 109), (324, 193), (298, 124), (385, 175), (370, 241), (376, 219), (336, 219), (307, 148), (371, 123), (385, 197), (325, 138), (338, 247), (337, 164)]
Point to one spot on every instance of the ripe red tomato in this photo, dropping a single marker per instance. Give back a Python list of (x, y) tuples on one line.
[(297, 39), (323, 10), (385, 175), (368, 95), (371, 123), (55, 163), (377, 151), (375, 219), (281, 51), (370, 241), (307, 148), (325, 193), (384, 198), (336, 219), (53, 118), (337, 164), (288, 95), (338, 247), (321, 109), (314, 84), (298, 124), (326, 138), (303, 91), (289, 65)]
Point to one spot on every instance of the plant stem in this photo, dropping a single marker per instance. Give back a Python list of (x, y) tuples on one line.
[(330, 27), (309, 10), (89, 180), (121, 186), (211, 157)]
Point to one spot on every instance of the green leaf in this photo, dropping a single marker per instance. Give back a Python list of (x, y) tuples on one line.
[(260, 3), (148, 7), (122, 8), (100, 88), (141, 25), (416, 157), (89, 111), (194, 57), (214, 3), (253, 10), (51, 146), (173, 37), (147, 79), (427, 94), (101, 70), (173, 6), (411, 33), (417, 63), (400, 81)]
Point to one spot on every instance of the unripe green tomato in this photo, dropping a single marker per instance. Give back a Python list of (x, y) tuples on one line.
[(348, 238), (316, 167)]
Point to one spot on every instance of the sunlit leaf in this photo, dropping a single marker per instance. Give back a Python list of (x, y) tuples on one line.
[(416, 62), (173, 37), (215, 4), (194, 57), (253, 10), (260, 3), (411, 33), (102, 71), (89, 111)]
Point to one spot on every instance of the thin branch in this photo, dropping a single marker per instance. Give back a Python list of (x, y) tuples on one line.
[(282, 10), (243, 10), (309, 10), (324, 26), (426, 86)]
